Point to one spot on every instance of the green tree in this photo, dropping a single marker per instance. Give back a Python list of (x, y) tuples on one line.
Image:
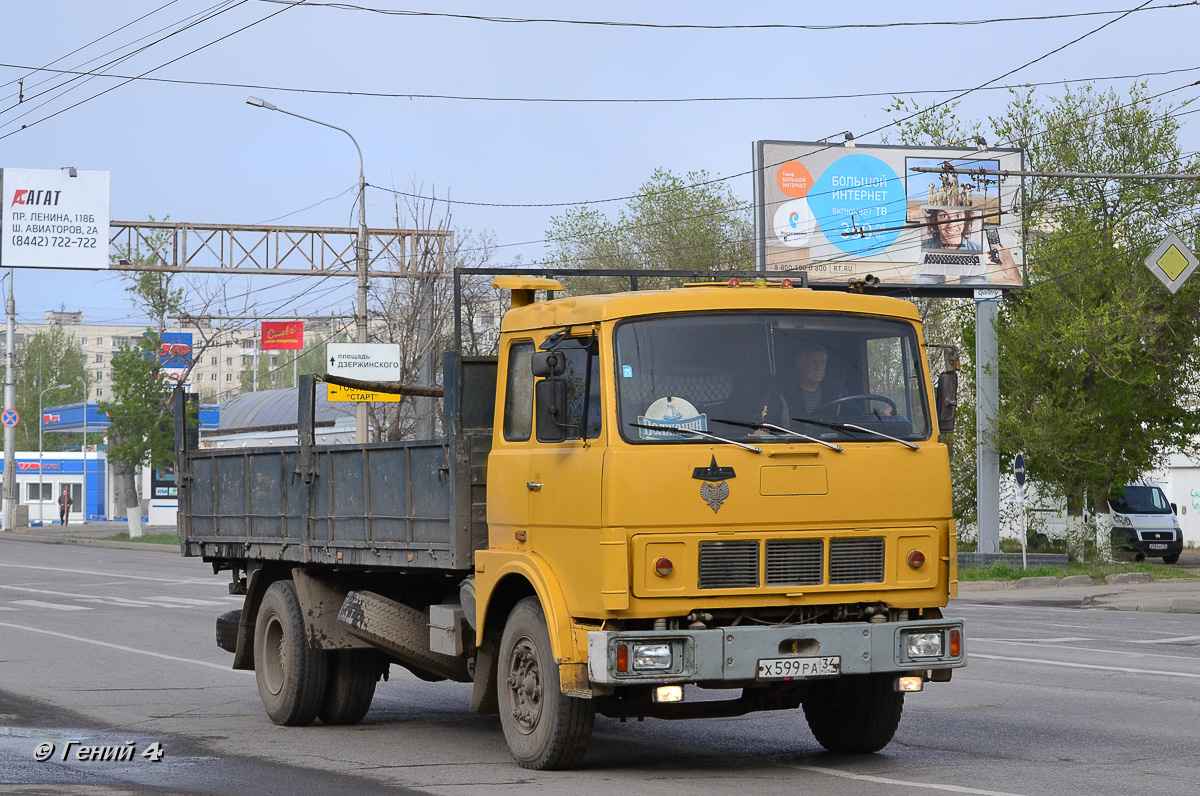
[(47, 359), (686, 223), (140, 410), (140, 431), (1096, 359)]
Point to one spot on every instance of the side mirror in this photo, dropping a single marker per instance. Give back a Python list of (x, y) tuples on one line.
[(947, 401), (548, 364), (1174, 509), (550, 401)]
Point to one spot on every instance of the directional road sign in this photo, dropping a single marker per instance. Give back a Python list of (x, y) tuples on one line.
[(363, 361), (1019, 469), (10, 417), (338, 393)]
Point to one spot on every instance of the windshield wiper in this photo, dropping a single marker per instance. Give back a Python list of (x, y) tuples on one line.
[(694, 432), (781, 430), (852, 427)]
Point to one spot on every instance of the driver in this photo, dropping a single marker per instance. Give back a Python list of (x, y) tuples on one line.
[(810, 364)]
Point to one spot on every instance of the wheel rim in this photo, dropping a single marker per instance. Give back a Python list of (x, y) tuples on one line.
[(272, 648), (525, 685)]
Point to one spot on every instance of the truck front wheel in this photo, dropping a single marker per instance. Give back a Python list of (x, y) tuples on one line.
[(544, 728), (855, 714), (290, 674)]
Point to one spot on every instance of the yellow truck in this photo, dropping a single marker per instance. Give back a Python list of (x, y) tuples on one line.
[(735, 485)]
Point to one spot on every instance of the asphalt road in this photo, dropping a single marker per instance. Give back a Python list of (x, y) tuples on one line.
[(104, 646)]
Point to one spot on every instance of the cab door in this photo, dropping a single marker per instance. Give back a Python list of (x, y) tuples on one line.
[(565, 483)]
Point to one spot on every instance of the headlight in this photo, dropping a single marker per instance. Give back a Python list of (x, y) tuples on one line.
[(925, 645), (1120, 520), (648, 657)]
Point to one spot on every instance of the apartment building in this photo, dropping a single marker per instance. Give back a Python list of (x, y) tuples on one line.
[(220, 353)]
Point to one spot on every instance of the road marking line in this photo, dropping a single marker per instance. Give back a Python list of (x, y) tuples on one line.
[(184, 601), (833, 772), (1176, 640), (1061, 640), (1086, 649), (185, 581), (55, 606), (223, 668), (123, 602), (1098, 667)]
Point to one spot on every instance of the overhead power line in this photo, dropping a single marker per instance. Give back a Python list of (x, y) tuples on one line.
[(746, 26), (582, 100)]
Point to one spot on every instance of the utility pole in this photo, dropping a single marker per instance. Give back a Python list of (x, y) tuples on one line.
[(10, 404)]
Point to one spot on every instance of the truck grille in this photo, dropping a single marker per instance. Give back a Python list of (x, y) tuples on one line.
[(728, 565), (794, 562), (790, 562), (855, 560)]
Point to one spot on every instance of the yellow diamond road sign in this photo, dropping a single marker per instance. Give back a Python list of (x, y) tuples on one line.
[(1172, 262)]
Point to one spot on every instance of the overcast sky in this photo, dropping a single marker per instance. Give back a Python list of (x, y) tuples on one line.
[(197, 152)]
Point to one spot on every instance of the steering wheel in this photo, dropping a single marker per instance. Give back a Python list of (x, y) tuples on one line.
[(868, 396)]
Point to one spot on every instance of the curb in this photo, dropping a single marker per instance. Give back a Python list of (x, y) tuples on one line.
[(42, 539)]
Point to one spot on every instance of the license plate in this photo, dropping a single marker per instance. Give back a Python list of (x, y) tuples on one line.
[(1157, 547), (799, 668)]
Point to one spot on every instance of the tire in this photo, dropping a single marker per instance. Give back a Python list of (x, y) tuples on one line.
[(1171, 559), (350, 686), (227, 630), (291, 675), (855, 714), (544, 728)]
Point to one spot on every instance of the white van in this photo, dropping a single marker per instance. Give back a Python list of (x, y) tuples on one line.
[(1145, 525)]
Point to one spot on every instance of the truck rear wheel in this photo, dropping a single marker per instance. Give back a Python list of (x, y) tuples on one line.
[(290, 674), (544, 728), (854, 714), (351, 686)]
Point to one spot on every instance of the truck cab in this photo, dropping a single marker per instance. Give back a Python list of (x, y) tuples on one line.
[(660, 484)]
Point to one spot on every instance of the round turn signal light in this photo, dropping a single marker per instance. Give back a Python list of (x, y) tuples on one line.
[(916, 559), (663, 567)]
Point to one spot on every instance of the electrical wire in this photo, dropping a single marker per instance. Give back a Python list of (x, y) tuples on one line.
[(762, 26), (154, 69), (584, 100)]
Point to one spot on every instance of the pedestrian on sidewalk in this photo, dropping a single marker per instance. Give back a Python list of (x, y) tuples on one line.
[(64, 506)]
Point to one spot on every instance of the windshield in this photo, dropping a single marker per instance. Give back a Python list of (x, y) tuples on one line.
[(1141, 500), (728, 374)]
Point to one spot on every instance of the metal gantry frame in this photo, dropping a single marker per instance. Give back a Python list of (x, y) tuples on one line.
[(249, 249)]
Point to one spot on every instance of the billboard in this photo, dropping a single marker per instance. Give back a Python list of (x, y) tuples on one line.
[(283, 335), (175, 354), (843, 212), (53, 218)]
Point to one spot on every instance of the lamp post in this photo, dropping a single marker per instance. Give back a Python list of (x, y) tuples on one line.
[(41, 425), (361, 250)]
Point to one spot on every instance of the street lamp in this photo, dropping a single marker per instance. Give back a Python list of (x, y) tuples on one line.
[(361, 249), (41, 425)]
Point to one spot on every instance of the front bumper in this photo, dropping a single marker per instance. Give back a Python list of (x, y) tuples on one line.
[(1148, 543), (731, 654)]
